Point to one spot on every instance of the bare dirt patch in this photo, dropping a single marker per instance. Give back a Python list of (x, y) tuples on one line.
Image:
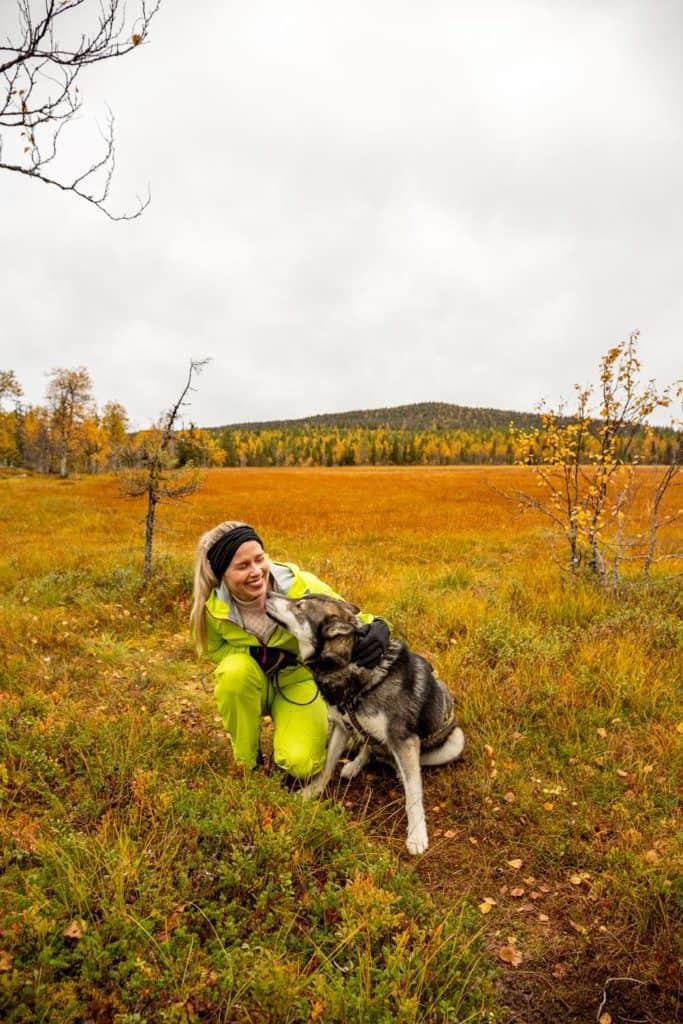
[(570, 970)]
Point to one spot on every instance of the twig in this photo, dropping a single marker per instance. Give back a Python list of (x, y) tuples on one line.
[(610, 981)]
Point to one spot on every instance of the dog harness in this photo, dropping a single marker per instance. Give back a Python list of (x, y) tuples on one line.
[(379, 674)]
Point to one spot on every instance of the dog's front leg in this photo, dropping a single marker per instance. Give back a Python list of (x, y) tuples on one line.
[(336, 741), (407, 757), (355, 767)]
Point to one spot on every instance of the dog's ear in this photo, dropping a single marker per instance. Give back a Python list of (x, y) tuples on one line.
[(337, 642), (353, 608), (337, 627)]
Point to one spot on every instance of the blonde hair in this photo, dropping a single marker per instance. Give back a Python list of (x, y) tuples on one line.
[(205, 581)]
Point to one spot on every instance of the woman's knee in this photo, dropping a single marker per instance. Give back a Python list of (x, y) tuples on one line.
[(301, 760)]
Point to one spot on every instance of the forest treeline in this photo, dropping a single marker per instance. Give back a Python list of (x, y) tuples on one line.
[(69, 432)]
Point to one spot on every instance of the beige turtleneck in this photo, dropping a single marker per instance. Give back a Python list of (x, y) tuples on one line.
[(254, 619)]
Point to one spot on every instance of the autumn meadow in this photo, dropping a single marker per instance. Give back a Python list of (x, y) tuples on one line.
[(145, 879)]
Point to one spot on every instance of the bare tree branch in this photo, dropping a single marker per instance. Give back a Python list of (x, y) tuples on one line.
[(39, 92)]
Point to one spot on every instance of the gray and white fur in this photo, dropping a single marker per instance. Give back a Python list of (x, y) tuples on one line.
[(396, 706)]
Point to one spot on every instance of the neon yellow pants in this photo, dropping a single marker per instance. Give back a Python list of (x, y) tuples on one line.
[(244, 694)]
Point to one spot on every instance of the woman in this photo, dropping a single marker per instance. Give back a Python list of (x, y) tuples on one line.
[(257, 671)]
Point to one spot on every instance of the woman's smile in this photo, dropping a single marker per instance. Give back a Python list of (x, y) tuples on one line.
[(247, 574)]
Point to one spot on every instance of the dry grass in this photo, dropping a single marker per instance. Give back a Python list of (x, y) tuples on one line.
[(570, 697)]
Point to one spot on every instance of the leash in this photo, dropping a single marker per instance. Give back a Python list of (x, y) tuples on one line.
[(271, 661), (295, 703)]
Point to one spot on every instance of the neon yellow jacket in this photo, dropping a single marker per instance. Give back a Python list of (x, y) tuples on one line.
[(224, 630)]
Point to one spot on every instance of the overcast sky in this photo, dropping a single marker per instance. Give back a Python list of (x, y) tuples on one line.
[(363, 204)]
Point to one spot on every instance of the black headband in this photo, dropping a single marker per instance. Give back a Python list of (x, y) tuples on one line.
[(221, 554)]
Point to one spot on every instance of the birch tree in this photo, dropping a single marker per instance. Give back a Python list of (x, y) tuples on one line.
[(69, 395), (583, 460)]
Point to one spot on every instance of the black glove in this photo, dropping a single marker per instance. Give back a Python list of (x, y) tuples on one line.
[(272, 659), (371, 644)]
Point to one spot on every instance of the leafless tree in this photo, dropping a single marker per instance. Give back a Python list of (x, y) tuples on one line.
[(40, 63), (157, 478)]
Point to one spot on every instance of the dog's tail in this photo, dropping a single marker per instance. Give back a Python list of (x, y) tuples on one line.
[(451, 748)]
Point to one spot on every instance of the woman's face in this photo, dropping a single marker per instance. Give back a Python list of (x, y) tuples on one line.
[(247, 575)]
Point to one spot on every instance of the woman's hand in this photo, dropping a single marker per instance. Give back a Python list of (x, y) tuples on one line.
[(371, 644)]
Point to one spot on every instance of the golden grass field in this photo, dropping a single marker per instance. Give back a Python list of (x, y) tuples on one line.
[(556, 840)]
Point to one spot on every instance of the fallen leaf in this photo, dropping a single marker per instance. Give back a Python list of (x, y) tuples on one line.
[(559, 971), (509, 797), (652, 856), (621, 773), (543, 917), (580, 928), (450, 834), (548, 805), (515, 863), (485, 908), (529, 880), (473, 840), (510, 955), (6, 960), (605, 1018), (488, 750), (75, 929), (602, 733), (575, 879), (517, 891)]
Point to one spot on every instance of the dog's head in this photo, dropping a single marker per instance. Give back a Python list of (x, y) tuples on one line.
[(324, 627)]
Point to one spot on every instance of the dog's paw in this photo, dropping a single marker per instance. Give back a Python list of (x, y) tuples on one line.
[(353, 768), (311, 791), (417, 841)]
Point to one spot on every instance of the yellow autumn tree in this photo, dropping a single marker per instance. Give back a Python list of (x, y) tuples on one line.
[(583, 460)]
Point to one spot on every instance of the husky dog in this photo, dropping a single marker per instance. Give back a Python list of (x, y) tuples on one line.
[(400, 705)]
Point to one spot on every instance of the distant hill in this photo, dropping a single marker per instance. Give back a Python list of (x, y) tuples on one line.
[(427, 433), (420, 416)]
